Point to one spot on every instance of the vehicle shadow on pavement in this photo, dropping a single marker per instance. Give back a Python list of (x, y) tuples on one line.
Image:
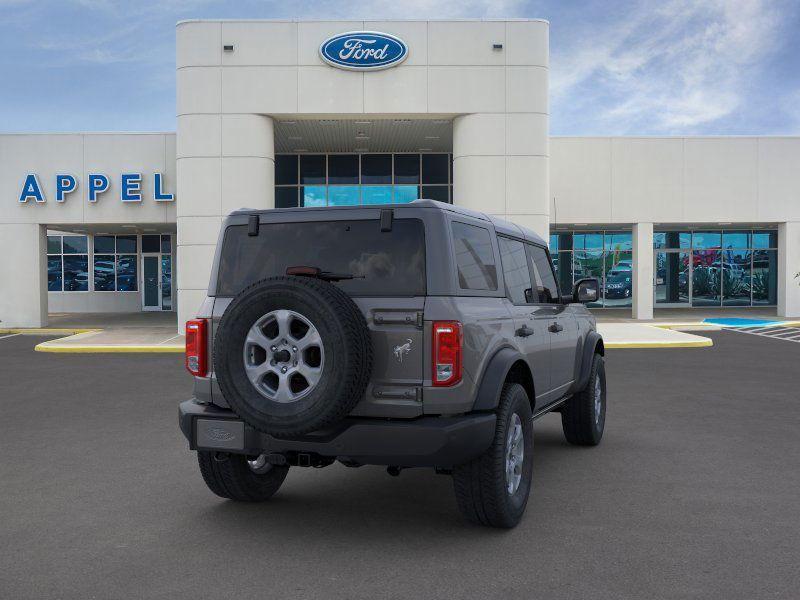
[(355, 502)]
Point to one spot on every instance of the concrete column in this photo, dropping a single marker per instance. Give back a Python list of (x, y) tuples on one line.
[(788, 267), (642, 271), (500, 167), (225, 162), (23, 271)]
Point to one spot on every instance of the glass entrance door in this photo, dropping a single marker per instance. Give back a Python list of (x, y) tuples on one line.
[(151, 279)]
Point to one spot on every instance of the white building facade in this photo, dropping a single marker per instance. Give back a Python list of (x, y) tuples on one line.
[(269, 116)]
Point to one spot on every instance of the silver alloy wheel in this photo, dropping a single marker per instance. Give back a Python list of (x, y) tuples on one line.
[(598, 399), (283, 356), (259, 464), (515, 454)]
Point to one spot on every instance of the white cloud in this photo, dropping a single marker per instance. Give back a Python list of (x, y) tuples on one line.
[(670, 68)]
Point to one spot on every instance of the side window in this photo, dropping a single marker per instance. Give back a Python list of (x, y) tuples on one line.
[(543, 272), (515, 271), (474, 257)]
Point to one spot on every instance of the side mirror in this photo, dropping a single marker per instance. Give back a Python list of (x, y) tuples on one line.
[(586, 290)]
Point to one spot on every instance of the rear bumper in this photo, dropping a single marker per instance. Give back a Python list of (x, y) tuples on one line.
[(424, 442)]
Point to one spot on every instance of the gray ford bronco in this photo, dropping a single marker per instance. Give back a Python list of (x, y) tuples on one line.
[(413, 335)]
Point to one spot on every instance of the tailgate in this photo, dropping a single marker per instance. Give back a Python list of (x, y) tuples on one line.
[(396, 327)]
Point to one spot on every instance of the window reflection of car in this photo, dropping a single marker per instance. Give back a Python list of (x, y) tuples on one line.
[(618, 283), (733, 270)]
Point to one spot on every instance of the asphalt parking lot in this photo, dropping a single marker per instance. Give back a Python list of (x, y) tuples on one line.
[(694, 493)]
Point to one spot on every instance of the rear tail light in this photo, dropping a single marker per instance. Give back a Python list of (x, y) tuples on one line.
[(446, 355), (196, 347)]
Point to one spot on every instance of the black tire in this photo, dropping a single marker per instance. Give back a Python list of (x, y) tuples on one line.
[(481, 485), (581, 420), (347, 355), (229, 476)]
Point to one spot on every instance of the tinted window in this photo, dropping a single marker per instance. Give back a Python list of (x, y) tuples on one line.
[(435, 192), (474, 257), (151, 243), (54, 244), (286, 169), (104, 244), (54, 274), (285, 197), (434, 168), (406, 168), (76, 273), (312, 168), (75, 244), (104, 272), (386, 263), (545, 282), (515, 270), (376, 168), (343, 168), (126, 244)]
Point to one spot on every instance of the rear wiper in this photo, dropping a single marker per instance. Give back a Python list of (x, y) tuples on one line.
[(320, 274)]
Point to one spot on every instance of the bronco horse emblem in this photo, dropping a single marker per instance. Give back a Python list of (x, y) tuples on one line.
[(401, 350)]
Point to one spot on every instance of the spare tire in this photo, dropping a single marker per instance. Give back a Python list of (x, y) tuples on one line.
[(292, 355)]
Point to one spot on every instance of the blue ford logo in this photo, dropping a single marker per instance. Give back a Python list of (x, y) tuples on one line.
[(363, 50)]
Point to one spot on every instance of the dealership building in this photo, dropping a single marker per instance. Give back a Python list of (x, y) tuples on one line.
[(275, 114)]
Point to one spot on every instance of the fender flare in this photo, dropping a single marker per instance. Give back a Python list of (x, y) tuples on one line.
[(494, 376), (591, 346)]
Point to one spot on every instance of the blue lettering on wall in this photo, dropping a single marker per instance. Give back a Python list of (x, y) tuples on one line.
[(65, 184), (98, 183), (158, 195), (31, 190), (131, 188)]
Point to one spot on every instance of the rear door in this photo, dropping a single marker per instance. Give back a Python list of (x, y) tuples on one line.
[(530, 333), (558, 320)]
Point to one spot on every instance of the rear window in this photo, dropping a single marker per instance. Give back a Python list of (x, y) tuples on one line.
[(474, 257), (388, 263)]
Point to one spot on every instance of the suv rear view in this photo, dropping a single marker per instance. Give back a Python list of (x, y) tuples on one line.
[(394, 336)]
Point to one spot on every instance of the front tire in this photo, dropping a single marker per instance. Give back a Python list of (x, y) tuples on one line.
[(583, 417), (493, 489), (236, 477)]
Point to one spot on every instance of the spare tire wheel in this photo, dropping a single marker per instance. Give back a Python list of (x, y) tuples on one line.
[(292, 355)]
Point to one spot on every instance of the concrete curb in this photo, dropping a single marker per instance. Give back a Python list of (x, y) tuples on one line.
[(46, 331), (704, 343), (100, 349)]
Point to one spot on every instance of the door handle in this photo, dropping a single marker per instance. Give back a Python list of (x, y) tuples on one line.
[(523, 331), (555, 328)]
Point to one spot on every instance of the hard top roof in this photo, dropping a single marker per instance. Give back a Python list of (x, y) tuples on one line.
[(500, 225)]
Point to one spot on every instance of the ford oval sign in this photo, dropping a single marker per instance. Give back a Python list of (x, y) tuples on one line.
[(363, 50)]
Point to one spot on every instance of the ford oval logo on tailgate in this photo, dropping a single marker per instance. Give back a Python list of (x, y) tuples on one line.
[(363, 50)]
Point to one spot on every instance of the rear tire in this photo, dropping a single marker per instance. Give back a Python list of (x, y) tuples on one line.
[(484, 486), (230, 476), (583, 417)]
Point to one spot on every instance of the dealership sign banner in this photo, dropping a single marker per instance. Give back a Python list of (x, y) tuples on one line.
[(363, 50), (130, 187)]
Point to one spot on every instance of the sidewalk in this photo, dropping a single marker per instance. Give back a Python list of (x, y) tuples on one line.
[(644, 335), (109, 332), (157, 332)]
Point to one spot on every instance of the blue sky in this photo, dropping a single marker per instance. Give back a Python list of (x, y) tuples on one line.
[(617, 68)]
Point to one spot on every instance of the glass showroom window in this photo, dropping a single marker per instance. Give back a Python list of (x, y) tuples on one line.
[(361, 179), (115, 263), (606, 255), (716, 267), (67, 263)]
